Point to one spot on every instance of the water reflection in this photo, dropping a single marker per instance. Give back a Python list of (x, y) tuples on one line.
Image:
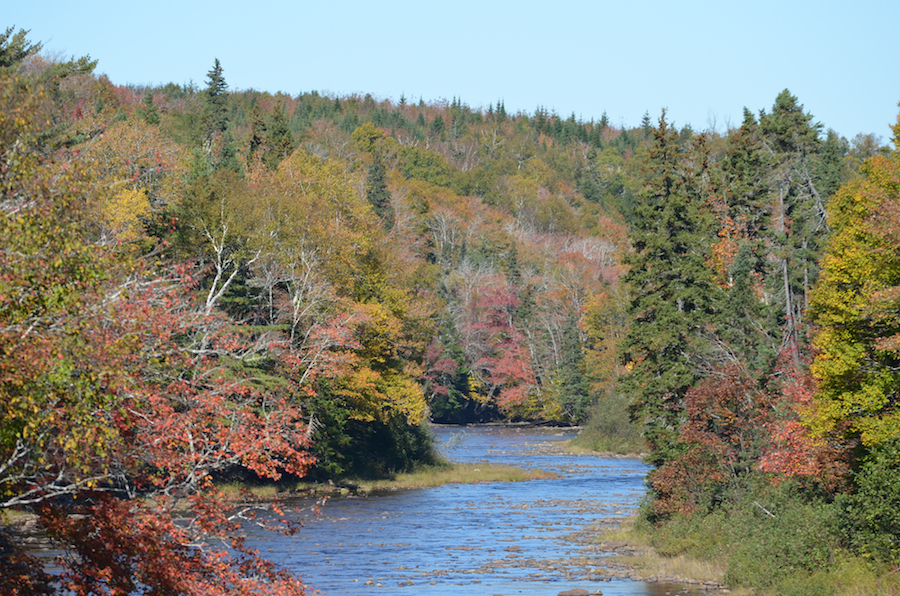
[(500, 538)]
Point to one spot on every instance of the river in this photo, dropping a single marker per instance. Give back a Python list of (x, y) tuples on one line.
[(504, 538)]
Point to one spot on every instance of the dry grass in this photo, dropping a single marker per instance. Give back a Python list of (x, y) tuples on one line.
[(425, 477), (253, 492), (572, 446), (650, 563), (454, 474)]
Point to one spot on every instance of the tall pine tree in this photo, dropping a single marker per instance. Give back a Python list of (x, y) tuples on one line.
[(215, 107), (799, 226), (671, 293)]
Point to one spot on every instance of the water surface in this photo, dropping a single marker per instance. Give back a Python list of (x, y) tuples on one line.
[(500, 538)]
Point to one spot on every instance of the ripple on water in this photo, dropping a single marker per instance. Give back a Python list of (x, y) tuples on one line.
[(502, 538)]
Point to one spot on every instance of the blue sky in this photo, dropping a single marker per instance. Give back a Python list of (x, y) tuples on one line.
[(703, 61)]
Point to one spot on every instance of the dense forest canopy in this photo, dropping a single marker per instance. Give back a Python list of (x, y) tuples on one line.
[(199, 283)]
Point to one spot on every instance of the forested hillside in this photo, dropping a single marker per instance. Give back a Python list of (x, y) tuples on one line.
[(203, 282)]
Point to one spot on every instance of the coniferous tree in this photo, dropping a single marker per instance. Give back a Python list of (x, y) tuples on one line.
[(257, 133), (279, 141), (377, 192), (215, 96), (228, 155), (646, 125), (671, 293), (148, 110), (573, 381), (604, 121), (799, 226), (15, 48)]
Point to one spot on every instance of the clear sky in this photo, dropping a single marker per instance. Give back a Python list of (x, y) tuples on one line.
[(703, 61)]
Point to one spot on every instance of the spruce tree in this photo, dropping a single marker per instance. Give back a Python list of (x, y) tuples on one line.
[(257, 133), (604, 121), (377, 192), (15, 48), (574, 387), (148, 110), (279, 140), (215, 107), (799, 228), (671, 292)]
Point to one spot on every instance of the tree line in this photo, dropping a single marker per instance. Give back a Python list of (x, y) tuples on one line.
[(199, 284)]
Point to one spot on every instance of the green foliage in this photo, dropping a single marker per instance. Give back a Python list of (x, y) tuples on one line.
[(774, 539), (799, 535), (15, 48), (609, 428), (377, 192), (215, 102), (424, 164), (148, 110), (800, 227), (871, 516), (574, 390), (671, 296), (279, 142)]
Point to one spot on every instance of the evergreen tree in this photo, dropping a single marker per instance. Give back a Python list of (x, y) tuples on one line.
[(798, 212), (228, 156), (148, 110), (646, 125), (377, 192), (604, 121), (573, 381), (671, 293), (279, 141), (743, 333), (215, 96), (15, 48), (257, 133), (744, 170), (437, 125)]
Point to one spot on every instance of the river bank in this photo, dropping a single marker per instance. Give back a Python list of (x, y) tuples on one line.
[(491, 535)]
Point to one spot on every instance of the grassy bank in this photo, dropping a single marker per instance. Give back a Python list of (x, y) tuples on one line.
[(422, 477), (431, 476), (725, 550), (609, 430)]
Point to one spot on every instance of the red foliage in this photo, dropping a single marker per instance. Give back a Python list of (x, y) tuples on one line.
[(793, 450), (502, 360), (147, 405), (122, 547), (721, 438)]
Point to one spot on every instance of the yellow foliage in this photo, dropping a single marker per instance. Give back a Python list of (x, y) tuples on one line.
[(854, 305), (125, 211)]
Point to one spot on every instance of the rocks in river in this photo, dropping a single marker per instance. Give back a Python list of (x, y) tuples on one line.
[(575, 592)]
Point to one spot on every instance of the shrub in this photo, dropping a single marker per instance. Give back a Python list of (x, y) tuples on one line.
[(609, 428), (871, 517)]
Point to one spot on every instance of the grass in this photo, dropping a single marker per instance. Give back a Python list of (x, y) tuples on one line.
[(651, 562), (609, 430), (703, 553), (431, 476), (423, 477)]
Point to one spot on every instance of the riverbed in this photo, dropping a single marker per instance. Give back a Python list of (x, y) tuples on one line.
[(508, 538)]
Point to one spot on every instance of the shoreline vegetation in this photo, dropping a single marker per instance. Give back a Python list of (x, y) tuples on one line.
[(422, 477), (711, 558)]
